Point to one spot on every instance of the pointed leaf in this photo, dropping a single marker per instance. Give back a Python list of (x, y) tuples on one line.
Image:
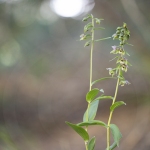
[(113, 146), (91, 144), (102, 39), (102, 79), (90, 115), (116, 133), (117, 104), (82, 132), (91, 95), (93, 122), (104, 97)]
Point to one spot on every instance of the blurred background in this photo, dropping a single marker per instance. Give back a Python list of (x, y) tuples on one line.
[(44, 73)]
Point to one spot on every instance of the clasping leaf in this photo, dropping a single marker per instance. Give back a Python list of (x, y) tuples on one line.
[(91, 95), (93, 122), (117, 104), (82, 132), (116, 134), (91, 112), (91, 144)]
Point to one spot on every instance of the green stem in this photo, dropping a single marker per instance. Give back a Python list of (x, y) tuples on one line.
[(91, 64), (91, 55), (110, 116)]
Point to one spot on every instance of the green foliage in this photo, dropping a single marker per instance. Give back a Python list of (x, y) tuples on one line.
[(93, 122), (91, 111), (117, 104), (116, 133), (91, 95), (82, 132), (102, 79), (91, 144)]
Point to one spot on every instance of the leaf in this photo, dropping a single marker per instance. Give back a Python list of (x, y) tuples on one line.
[(102, 79), (102, 39), (91, 95), (93, 122), (114, 145), (116, 133), (91, 144), (117, 104), (91, 111), (104, 97), (82, 132)]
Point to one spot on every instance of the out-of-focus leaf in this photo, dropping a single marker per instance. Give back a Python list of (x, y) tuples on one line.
[(93, 122), (90, 115), (79, 130), (91, 143), (116, 133), (102, 79), (117, 104), (91, 95), (102, 39)]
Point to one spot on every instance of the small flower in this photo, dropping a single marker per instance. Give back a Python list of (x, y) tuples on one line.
[(115, 50), (111, 71), (124, 67), (121, 51), (122, 61), (123, 82), (82, 37)]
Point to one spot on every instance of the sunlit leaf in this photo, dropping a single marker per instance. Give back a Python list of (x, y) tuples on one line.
[(82, 132), (91, 113), (102, 79), (93, 122), (116, 133), (91, 95), (91, 144), (117, 104)]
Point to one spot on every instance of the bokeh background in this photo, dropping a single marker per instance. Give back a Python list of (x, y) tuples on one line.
[(44, 73)]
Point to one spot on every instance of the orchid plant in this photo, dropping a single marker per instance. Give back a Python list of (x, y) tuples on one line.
[(95, 95)]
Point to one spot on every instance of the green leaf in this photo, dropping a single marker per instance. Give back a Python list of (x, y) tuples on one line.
[(91, 144), (93, 106), (104, 97), (93, 122), (117, 104), (102, 79), (113, 146), (102, 39), (91, 95), (116, 133), (82, 132)]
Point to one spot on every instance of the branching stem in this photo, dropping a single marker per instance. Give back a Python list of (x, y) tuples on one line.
[(111, 112)]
